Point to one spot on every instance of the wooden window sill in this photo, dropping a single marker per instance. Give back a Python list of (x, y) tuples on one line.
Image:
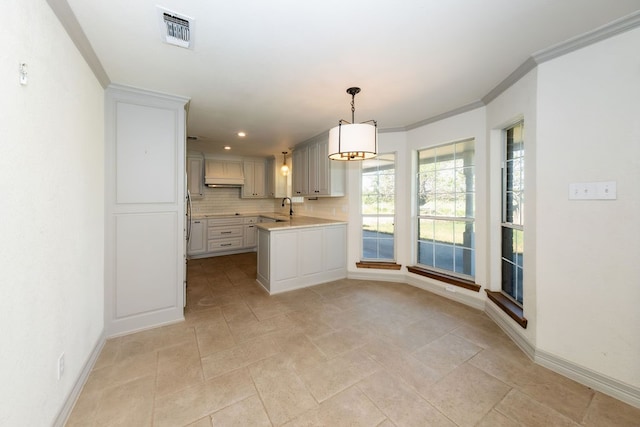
[(452, 280), (379, 265), (511, 308)]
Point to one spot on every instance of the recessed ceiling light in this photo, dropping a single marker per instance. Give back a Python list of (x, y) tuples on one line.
[(242, 134), (226, 147)]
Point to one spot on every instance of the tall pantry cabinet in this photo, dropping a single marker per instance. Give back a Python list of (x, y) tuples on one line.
[(145, 209)]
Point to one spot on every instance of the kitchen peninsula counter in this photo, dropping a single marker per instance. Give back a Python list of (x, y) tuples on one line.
[(290, 222), (297, 252)]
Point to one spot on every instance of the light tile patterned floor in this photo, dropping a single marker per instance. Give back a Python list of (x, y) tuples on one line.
[(346, 353)]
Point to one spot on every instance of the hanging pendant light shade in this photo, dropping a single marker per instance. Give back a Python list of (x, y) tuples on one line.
[(353, 141), (285, 168)]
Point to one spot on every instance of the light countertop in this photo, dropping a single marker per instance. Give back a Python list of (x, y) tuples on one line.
[(283, 221), (238, 215), (297, 222)]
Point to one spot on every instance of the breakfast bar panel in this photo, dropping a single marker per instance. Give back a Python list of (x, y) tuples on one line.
[(301, 255)]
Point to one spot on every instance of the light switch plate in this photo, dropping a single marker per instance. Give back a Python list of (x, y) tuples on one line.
[(605, 190)]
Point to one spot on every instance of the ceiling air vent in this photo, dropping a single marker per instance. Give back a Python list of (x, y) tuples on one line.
[(176, 29)]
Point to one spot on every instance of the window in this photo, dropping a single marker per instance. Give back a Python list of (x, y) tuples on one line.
[(378, 208), (513, 212), (445, 194)]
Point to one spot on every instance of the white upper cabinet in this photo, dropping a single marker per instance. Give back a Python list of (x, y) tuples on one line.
[(300, 170), (195, 175), (314, 175), (254, 179)]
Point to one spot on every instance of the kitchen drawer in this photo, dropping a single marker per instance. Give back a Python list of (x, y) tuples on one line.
[(224, 244), (251, 220), (224, 232), (217, 222)]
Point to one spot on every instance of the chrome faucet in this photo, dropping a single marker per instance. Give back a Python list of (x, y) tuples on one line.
[(290, 205)]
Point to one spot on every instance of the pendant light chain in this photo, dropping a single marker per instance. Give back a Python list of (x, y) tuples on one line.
[(353, 108)]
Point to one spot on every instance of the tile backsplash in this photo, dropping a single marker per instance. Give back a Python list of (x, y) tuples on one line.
[(228, 201)]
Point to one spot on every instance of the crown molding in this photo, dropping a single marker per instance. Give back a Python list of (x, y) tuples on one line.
[(70, 23), (511, 79), (451, 113)]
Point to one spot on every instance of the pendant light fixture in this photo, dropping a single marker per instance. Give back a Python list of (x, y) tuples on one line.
[(284, 169), (353, 141)]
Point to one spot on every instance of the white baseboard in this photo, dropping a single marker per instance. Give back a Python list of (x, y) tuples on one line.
[(71, 399), (377, 275), (604, 384), (508, 326), (460, 296), (437, 288)]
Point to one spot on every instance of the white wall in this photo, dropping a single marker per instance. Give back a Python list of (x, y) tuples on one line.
[(588, 278), (52, 214)]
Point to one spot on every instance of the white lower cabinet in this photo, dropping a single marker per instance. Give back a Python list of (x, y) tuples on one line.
[(222, 236), (197, 237), (296, 258), (250, 232)]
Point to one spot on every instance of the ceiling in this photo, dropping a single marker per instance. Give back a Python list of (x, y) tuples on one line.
[(278, 69)]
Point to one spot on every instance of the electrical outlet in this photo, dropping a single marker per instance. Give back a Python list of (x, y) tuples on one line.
[(60, 365)]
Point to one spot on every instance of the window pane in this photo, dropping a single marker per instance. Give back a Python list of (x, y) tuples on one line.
[(464, 205), (445, 181), (464, 234), (445, 204), (518, 247), (444, 257), (385, 227), (386, 204), (369, 184), (518, 296), (507, 243), (425, 253), (508, 279), (427, 182), (444, 232), (465, 180), (466, 150), (370, 226), (464, 261), (425, 229), (385, 249), (427, 204), (369, 204)]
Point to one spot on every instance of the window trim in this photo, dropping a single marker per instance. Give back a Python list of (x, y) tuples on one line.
[(444, 277), (505, 301), (506, 304), (380, 265)]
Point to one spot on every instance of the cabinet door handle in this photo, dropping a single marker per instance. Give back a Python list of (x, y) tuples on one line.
[(225, 232), (226, 244)]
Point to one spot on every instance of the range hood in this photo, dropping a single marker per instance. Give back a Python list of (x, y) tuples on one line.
[(223, 173)]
